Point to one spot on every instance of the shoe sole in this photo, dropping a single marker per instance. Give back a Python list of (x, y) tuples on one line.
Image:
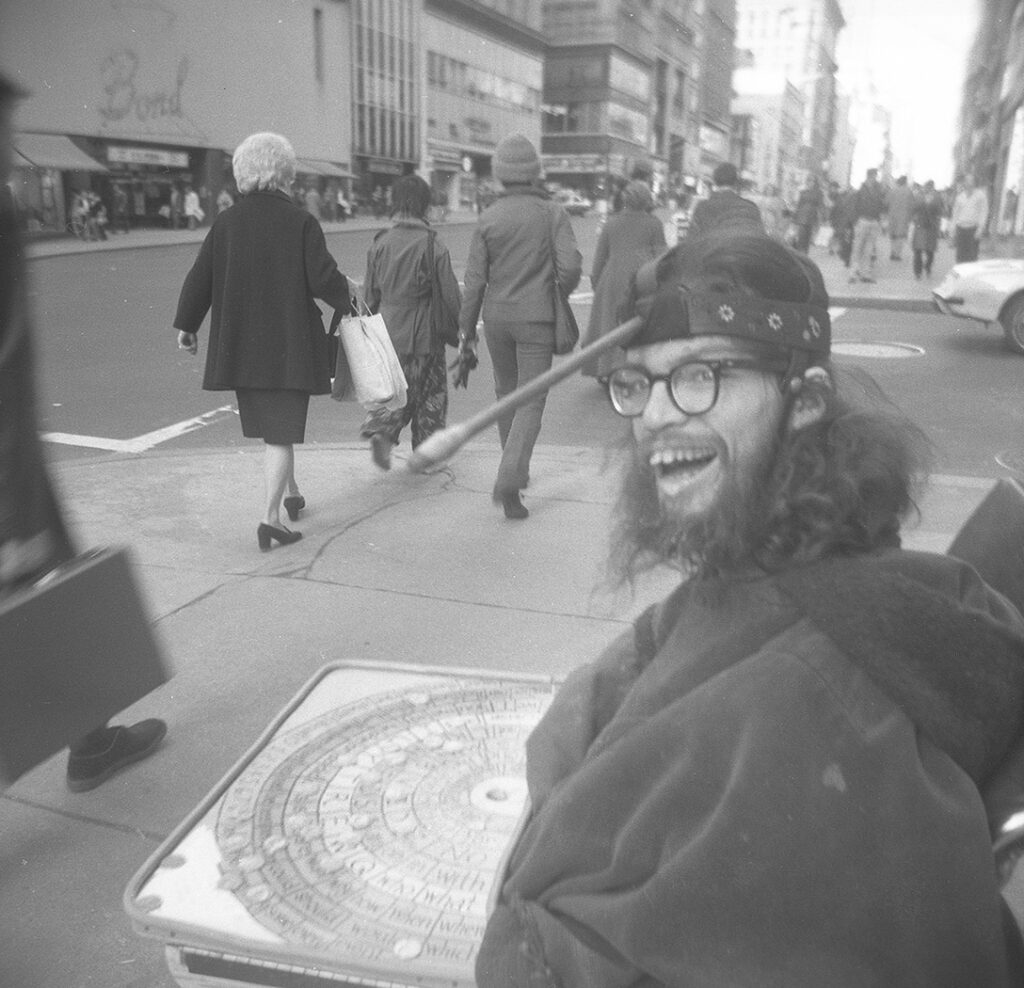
[(84, 785)]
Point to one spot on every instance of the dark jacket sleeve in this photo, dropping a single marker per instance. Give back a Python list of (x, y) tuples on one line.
[(445, 276), (197, 291), (322, 275), (568, 259), (475, 284)]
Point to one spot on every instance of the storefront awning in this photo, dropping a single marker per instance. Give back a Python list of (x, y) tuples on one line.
[(55, 151), (315, 166)]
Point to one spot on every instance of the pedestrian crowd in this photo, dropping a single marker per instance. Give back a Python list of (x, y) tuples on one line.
[(781, 773)]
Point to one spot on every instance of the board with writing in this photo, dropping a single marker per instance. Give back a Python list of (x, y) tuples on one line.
[(361, 838)]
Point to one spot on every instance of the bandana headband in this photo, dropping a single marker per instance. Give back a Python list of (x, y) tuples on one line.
[(675, 314)]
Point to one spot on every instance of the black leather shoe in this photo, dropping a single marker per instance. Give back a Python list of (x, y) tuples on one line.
[(514, 508), (293, 505), (111, 749), (283, 535)]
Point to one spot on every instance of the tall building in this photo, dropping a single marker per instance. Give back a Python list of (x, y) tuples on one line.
[(771, 110), (798, 38), (991, 144), (484, 70), (719, 50), (141, 97), (385, 90), (620, 91)]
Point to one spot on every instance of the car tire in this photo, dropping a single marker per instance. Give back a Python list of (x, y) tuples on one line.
[(1012, 320)]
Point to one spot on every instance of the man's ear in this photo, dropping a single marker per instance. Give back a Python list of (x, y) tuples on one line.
[(808, 408)]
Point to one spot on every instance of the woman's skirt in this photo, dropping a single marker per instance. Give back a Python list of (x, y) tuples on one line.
[(277, 416)]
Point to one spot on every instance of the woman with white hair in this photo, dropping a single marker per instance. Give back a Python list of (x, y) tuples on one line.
[(261, 267)]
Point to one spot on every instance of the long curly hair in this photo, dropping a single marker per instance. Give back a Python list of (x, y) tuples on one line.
[(841, 485)]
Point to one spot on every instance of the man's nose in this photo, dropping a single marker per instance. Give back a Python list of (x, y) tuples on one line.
[(661, 409)]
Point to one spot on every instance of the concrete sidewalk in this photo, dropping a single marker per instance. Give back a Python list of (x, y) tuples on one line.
[(393, 567)]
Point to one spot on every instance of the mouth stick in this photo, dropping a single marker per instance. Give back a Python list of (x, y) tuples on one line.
[(444, 443)]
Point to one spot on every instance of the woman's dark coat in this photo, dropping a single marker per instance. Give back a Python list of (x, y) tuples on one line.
[(261, 267)]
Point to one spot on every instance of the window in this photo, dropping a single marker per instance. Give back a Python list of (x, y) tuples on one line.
[(318, 44)]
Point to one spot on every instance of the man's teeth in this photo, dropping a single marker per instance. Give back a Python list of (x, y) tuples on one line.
[(669, 459)]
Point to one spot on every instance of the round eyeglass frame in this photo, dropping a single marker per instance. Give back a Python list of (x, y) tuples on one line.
[(677, 381)]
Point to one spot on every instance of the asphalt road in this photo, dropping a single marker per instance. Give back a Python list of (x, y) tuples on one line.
[(111, 372)]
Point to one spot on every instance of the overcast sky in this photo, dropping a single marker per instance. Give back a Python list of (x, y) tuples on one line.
[(915, 54)]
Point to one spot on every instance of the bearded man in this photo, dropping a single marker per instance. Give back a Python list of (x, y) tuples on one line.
[(774, 778)]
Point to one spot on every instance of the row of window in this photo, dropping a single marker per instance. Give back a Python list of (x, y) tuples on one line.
[(385, 133), (462, 79), (597, 117)]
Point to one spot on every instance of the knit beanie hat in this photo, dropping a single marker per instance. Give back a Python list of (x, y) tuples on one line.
[(515, 160), (637, 195)]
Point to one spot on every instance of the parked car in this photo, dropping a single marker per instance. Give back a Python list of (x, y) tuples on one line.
[(574, 203), (989, 291)]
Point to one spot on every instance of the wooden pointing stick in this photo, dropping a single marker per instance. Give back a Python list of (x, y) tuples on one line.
[(446, 442)]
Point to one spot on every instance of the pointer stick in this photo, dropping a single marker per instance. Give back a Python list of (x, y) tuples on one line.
[(441, 445)]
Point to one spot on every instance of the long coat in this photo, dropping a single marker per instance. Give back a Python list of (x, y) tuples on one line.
[(627, 240), (33, 536), (259, 271), (774, 781), (927, 217), (398, 284)]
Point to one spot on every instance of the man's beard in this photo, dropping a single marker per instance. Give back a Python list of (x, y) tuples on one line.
[(726, 538)]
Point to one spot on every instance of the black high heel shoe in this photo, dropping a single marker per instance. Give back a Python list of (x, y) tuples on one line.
[(283, 535), (293, 505)]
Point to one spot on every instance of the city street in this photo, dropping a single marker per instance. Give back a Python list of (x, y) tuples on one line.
[(394, 568), (111, 370)]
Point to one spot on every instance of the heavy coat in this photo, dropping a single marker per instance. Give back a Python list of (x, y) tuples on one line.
[(774, 782), (260, 268), (627, 240), (725, 209), (510, 271), (33, 536), (901, 204), (398, 284), (927, 218)]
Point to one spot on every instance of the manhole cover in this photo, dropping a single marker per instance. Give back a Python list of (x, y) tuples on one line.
[(880, 350)]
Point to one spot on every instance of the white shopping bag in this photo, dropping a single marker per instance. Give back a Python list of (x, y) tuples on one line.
[(371, 364)]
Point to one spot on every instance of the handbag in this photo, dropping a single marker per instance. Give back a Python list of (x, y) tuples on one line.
[(368, 369), (444, 324), (567, 331), (78, 648)]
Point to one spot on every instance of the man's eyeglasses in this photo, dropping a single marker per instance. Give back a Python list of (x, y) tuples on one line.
[(693, 386)]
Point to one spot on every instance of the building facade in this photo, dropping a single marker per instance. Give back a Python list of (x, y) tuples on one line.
[(769, 109), (484, 71), (620, 92), (149, 97), (991, 144), (799, 39)]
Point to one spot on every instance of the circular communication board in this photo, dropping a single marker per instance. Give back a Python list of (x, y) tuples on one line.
[(376, 832)]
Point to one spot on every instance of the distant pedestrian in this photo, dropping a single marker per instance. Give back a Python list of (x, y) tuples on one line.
[(225, 200), (194, 214), (900, 203), (927, 219), (809, 206), (261, 267), (868, 209), (968, 219), (523, 241), (841, 216), (725, 209), (120, 197), (175, 207), (313, 201), (629, 238), (399, 284)]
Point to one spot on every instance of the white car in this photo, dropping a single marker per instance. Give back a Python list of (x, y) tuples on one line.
[(989, 291), (574, 203)]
